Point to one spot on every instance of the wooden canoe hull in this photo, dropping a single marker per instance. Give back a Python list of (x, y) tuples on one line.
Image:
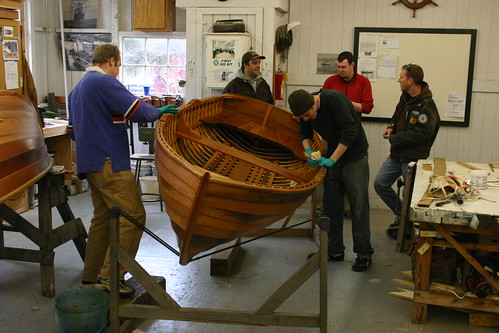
[(23, 154), (209, 205)]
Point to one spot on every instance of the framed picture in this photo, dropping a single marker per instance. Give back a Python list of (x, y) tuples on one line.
[(80, 13), (80, 48)]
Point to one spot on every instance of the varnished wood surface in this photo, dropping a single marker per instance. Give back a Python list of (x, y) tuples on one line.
[(23, 154), (220, 183)]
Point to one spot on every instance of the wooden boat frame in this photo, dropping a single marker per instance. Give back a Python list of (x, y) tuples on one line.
[(224, 188), (15, 182), (167, 308)]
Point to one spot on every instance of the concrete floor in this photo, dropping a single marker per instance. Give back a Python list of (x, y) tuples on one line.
[(358, 302)]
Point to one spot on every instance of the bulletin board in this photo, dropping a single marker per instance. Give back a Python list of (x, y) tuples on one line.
[(11, 69), (446, 56)]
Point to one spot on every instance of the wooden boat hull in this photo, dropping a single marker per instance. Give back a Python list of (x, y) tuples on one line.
[(23, 154), (217, 184)]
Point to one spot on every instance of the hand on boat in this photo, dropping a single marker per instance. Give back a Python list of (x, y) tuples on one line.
[(311, 162), (167, 109), (326, 162)]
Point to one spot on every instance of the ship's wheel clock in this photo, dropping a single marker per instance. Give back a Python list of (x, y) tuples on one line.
[(415, 5)]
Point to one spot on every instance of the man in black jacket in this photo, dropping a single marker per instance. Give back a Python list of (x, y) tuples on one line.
[(249, 81), (332, 115), (411, 132)]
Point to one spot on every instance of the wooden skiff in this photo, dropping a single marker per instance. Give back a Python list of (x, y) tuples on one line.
[(23, 153), (228, 166)]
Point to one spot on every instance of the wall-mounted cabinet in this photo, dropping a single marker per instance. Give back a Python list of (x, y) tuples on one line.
[(154, 15)]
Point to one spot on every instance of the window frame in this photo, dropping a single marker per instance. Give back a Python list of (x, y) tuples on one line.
[(140, 34)]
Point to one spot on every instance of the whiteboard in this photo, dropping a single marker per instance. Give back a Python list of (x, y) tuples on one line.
[(446, 56)]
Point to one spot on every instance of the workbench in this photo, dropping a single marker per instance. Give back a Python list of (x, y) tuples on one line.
[(439, 226)]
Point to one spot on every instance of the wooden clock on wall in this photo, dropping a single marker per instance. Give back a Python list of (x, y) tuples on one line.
[(415, 5)]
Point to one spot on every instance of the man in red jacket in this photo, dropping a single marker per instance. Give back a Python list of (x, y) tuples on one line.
[(357, 87)]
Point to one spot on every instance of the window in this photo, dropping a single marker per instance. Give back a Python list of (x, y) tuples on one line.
[(156, 62)]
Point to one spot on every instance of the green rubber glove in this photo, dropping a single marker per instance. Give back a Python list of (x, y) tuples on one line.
[(170, 108), (311, 162), (326, 162), (49, 114)]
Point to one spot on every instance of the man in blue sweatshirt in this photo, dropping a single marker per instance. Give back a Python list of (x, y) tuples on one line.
[(98, 107)]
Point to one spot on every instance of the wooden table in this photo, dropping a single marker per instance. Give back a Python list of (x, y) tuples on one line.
[(438, 225)]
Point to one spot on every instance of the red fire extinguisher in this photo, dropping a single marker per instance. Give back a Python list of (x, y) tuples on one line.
[(278, 80)]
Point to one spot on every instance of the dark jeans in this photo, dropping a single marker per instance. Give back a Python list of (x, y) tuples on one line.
[(353, 180), (387, 175)]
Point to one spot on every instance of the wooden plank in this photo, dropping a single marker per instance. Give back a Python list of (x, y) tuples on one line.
[(405, 294), (141, 296), (409, 284), (469, 166), (449, 301), (9, 14), (221, 263), (484, 319), (467, 256), (439, 169)]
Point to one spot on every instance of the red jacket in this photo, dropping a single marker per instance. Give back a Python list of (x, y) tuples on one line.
[(358, 89)]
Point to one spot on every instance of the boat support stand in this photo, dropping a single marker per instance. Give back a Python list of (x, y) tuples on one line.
[(167, 308)]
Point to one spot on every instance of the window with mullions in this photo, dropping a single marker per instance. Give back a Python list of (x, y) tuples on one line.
[(158, 63)]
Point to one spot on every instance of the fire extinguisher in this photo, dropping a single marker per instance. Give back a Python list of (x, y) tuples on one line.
[(278, 81)]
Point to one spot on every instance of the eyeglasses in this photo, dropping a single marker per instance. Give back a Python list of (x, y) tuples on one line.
[(407, 67)]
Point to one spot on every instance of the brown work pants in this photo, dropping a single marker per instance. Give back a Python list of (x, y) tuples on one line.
[(110, 189)]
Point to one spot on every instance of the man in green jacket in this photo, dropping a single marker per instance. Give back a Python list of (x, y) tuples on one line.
[(411, 132)]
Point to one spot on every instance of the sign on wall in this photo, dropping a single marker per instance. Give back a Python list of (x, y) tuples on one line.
[(223, 57)]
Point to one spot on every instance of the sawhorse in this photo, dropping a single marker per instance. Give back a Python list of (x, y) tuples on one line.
[(50, 194)]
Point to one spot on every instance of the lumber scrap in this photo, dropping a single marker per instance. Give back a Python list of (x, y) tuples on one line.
[(439, 169)]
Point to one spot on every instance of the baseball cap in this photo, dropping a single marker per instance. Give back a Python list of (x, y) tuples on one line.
[(300, 101), (251, 55)]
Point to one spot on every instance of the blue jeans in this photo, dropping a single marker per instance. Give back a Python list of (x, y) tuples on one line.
[(351, 179), (387, 175)]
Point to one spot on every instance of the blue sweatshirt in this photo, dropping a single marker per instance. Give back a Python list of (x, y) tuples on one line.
[(98, 106)]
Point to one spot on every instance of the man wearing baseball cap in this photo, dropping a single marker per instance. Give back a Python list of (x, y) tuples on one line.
[(332, 115), (249, 81)]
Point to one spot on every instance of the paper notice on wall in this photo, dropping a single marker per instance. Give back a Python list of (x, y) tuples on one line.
[(11, 75), (456, 103), (368, 45), (387, 66), (390, 41), (367, 67)]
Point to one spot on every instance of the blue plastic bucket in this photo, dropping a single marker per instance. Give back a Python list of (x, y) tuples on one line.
[(82, 310)]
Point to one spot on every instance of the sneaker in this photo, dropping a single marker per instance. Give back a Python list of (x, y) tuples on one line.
[(330, 257), (392, 230), (105, 284), (361, 264)]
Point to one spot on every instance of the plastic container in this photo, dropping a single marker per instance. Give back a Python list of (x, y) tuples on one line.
[(479, 179), (82, 311), (149, 184)]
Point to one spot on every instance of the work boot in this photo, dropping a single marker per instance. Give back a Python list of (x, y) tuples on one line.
[(392, 230)]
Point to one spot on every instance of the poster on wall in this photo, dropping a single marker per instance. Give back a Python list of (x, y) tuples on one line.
[(224, 52), (80, 49), (223, 60), (80, 13), (10, 50)]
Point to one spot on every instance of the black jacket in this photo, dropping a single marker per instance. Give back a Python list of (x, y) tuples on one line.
[(243, 87), (337, 122), (415, 125)]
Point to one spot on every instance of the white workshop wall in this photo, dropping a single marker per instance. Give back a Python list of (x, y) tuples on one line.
[(327, 26), (44, 51)]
